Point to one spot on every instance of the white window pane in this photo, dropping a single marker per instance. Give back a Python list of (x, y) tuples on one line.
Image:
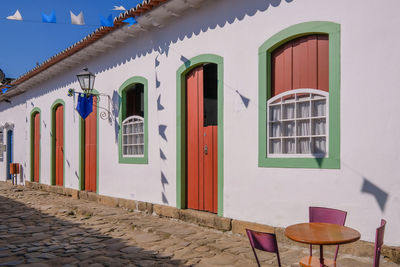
[(289, 146), (303, 128), (275, 146), (275, 113), (319, 127), (319, 108), (303, 109), (319, 145), (275, 129), (303, 146), (288, 111), (289, 128)]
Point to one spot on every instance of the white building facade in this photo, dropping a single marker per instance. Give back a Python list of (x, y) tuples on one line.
[(346, 157)]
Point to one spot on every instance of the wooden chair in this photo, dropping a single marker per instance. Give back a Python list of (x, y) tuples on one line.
[(263, 241), (324, 215), (379, 242)]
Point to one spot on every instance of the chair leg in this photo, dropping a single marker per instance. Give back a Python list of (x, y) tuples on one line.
[(255, 254)]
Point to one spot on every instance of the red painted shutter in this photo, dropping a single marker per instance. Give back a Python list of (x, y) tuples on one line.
[(301, 63), (36, 148)]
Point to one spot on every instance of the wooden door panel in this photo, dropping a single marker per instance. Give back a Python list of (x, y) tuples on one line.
[(201, 165), (91, 150), (192, 140), (59, 166), (210, 168)]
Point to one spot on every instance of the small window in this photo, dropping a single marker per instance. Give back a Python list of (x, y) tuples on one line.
[(133, 136), (132, 140), (133, 124), (297, 124)]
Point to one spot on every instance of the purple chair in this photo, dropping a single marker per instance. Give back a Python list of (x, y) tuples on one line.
[(379, 242), (327, 215), (263, 241)]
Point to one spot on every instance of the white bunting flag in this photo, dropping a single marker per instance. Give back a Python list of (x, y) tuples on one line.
[(77, 19), (16, 16), (121, 8)]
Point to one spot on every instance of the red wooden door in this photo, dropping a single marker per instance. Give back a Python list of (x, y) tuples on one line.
[(59, 134), (202, 146), (91, 150), (301, 63), (36, 147)]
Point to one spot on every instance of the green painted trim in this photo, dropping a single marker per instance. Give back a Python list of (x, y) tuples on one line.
[(181, 128), (122, 114), (264, 93), (82, 151), (58, 102), (33, 112)]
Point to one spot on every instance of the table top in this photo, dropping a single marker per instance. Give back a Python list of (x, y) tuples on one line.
[(321, 233)]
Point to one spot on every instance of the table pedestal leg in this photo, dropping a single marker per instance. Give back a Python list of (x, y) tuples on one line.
[(321, 256)]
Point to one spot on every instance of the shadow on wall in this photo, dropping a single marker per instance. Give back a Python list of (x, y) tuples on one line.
[(38, 237), (191, 23), (379, 195), (115, 100)]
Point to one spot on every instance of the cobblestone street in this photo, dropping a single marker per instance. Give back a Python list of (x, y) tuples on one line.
[(46, 229)]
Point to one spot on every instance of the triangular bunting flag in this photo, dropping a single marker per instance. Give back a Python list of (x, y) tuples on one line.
[(77, 19), (16, 16), (85, 105), (120, 8), (49, 18), (107, 22), (131, 21)]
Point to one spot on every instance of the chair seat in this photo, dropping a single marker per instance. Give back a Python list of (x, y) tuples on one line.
[(310, 261)]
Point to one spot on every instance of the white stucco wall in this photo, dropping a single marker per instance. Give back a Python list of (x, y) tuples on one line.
[(234, 29)]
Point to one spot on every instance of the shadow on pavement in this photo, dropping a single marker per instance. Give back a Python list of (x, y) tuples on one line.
[(30, 236)]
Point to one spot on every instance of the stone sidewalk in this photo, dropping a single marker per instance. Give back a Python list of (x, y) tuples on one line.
[(46, 229)]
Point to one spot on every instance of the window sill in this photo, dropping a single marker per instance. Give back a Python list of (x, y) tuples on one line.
[(141, 160), (307, 163)]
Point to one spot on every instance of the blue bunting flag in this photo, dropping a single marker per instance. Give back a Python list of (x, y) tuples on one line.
[(107, 22), (49, 18)]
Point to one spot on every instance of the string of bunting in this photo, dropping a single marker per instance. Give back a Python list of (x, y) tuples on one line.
[(75, 19)]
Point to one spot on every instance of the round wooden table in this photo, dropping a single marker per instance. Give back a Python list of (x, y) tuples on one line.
[(321, 234)]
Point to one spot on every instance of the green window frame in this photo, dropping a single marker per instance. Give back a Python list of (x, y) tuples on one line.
[(332, 160), (122, 116)]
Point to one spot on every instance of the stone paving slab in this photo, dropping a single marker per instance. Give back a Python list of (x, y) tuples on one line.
[(46, 229)]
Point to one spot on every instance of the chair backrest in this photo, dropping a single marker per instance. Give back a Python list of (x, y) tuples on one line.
[(327, 215), (263, 241), (379, 242)]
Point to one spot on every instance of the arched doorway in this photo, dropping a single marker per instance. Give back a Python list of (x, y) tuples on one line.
[(35, 145), (200, 134), (57, 143), (10, 153)]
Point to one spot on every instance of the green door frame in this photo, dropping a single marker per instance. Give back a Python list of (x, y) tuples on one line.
[(181, 127), (32, 132), (56, 104)]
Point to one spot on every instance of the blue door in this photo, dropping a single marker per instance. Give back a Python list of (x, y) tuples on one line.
[(9, 152)]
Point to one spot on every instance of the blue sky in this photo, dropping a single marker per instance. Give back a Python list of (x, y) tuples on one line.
[(26, 42)]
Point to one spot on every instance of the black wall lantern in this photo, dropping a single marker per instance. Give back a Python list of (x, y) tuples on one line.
[(86, 82)]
